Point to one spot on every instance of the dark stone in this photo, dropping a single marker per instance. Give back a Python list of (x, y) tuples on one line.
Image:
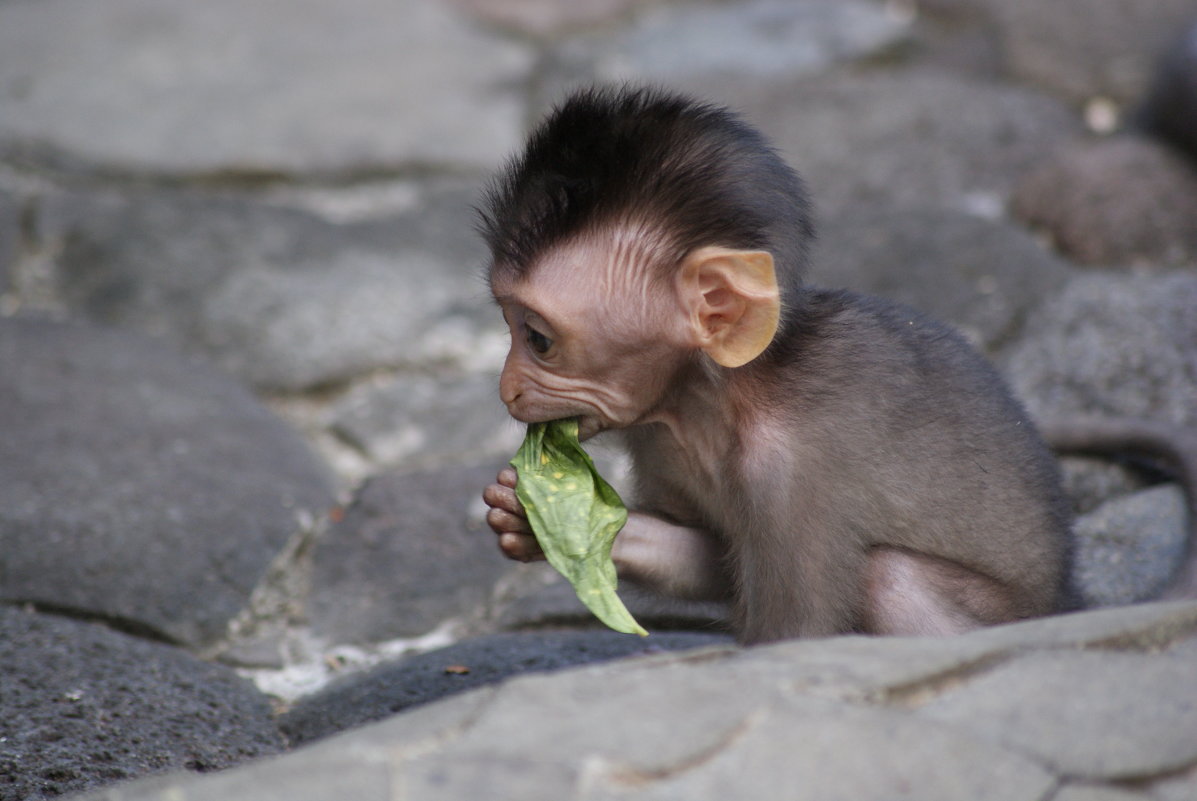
[(82, 706), (1126, 200), (398, 686), (1082, 49), (10, 238), (980, 275), (138, 485), (412, 551), (1170, 111)]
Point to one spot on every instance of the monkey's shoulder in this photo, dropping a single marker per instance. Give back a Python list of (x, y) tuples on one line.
[(857, 327)]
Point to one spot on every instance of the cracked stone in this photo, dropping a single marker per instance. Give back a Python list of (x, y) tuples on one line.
[(1086, 715), (851, 752)]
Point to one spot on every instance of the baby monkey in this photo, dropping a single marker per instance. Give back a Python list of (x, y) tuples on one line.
[(824, 461)]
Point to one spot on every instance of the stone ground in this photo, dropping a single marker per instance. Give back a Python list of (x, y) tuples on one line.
[(247, 371)]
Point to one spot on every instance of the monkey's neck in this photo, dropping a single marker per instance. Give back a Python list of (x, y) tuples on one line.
[(705, 412)]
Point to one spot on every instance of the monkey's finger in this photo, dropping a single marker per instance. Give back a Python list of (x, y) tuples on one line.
[(503, 522), (498, 496), (508, 477), (522, 547)]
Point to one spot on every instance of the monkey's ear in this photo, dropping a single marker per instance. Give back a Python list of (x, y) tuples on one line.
[(733, 302)]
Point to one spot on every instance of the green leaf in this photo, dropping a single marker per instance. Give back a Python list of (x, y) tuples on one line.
[(575, 515)]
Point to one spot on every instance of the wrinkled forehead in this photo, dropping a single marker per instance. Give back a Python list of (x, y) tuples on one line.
[(620, 261)]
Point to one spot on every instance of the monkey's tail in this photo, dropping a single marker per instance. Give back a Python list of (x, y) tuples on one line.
[(1173, 446)]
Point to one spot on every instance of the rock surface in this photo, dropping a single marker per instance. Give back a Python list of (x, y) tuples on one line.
[(1120, 201), (84, 706), (978, 716), (254, 87), (229, 207), (139, 486)]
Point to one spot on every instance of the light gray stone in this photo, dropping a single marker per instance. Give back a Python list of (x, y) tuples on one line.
[(980, 275), (259, 87), (761, 39), (1092, 792), (1112, 344), (843, 753), (1094, 715), (1128, 547)]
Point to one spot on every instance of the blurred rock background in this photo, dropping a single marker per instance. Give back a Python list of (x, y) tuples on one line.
[(248, 362)]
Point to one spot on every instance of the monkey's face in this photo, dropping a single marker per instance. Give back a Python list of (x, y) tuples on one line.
[(591, 337)]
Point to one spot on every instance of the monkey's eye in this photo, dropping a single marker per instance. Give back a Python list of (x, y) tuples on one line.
[(539, 342)]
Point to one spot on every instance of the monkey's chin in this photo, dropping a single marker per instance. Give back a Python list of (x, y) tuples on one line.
[(588, 427)]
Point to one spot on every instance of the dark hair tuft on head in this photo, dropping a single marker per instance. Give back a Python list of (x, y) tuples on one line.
[(693, 174)]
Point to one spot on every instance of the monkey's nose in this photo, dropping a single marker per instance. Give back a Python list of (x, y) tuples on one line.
[(509, 389)]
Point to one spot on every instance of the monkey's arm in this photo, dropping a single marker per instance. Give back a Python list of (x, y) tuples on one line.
[(669, 559), (677, 561)]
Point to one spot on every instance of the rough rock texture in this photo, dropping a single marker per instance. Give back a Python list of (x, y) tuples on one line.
[(1121, 201), (406, 684), (255, 87), (138, 485), (83, 706), (981, 275), (1112, 344), (1007, 713), (283, 190), (1131, 546), (409, 551)]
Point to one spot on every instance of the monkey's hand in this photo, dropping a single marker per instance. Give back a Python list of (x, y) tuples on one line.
[(507, 518)]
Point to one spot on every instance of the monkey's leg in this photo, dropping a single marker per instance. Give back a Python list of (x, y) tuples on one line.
[(915, 594)]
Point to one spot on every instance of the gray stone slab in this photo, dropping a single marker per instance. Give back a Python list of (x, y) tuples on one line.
[(138, 485), (83, 706), (916, 138), (724, 723), (981, 275), (277, 296), (1091, 792), (1141, 627), (1087, 715), (760, 39), (843, 753), (412, 551), (1128, 548), (255, 87), (1111, 344), (414, 421)]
